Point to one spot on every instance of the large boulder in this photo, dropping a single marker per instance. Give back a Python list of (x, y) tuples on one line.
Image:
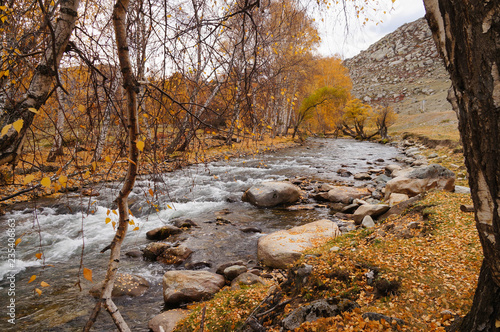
[(420, 180), (167, 321), (282, 248), (189, 286), (124, 285), (345, 195), (273, 193), (372, 210)]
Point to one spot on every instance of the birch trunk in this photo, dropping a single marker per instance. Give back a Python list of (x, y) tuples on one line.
[(103, 134), (40, 85), (64, 106), (467, 34), (131, 88)]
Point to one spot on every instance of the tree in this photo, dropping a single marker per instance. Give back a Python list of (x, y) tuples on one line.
[(356, 115), (384, 116), (467, 35)]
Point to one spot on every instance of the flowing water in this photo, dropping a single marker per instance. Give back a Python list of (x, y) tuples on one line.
[(72, 231)]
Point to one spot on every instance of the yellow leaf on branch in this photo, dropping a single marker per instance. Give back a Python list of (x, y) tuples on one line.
[(140, 145), (18, 125), (45, 182)]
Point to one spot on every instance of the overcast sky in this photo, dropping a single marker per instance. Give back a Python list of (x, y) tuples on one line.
[(336, 40)]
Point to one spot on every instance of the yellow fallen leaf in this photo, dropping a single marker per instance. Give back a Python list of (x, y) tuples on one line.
[(107, 159), (38, 291), (38, 255), (151, 192), (18, 240), (107, 220), (33, 277), (136, 228), (114, 224), (44, 284), (131, 222), (131, 161), (33, 110)]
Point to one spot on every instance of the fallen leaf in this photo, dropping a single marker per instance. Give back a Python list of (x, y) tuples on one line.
[(33, 277), (87, 274)]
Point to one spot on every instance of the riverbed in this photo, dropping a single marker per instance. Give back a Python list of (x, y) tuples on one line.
[(71, 231)]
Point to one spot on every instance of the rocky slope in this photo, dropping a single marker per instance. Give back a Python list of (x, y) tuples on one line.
[(404, 70)]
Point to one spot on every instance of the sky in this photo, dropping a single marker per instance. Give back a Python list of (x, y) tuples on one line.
[(336, 39)]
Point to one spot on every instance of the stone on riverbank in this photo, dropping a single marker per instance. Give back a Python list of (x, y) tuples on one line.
[(273, 193), (345, 195), (372, 210), (165, 253), (282, 248), (420, 180), (190, 286), (167, 321)]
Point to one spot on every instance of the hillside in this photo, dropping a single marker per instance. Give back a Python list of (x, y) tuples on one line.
[(404, 70)]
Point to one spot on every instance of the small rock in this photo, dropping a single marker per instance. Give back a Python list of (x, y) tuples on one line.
[(251, 230), (246, 279), (167, 321), (232, 272), (334, 248), (367, 222), (220, 269), (162, 233)]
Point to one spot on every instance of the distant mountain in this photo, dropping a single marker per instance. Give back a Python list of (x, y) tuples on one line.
[(404, 70)]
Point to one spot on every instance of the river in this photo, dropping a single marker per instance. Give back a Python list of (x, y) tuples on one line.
[(71, 231)]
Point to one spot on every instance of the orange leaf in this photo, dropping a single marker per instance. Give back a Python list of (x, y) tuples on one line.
[(107, 220), (18, 240), (33, 277), (38, 255), (44, 284), (87, 274), (151, 192), (38, 291), (45, 182)]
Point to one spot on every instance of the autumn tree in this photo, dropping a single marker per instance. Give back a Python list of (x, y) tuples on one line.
[(384, 117), (354, 119), (467, 35)]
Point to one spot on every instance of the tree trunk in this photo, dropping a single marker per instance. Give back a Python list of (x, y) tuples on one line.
[(64, 105), (103, 133), (467, 34), (40, 85), (131, 87)]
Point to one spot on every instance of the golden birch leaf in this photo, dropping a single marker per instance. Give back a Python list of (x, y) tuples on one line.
[(107, 220), (82, 108), (38, 255), (151, 192), (136, 228), (107, 159), (18, 125), (5, 129), (33, 277), (63, 180), (33, 110), (38, 291), (140, 145), (45, 182), (18, 240), (44, 284), (114, 224), (87, 274)]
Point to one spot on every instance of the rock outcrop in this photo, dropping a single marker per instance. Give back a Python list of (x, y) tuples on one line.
[(190, 286)]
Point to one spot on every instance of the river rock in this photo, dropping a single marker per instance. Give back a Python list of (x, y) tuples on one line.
[(166, 253), (163, 232), (362, 176), (124, 285), (462, 190), (395, 198), (247, 279), (273, 193), (420, 180), (368, 222), (167, 321), (282, 248), (372, 210), (345, 195), (232, 272), (189, 286), (184, 223), (221, 268), (390, 169)]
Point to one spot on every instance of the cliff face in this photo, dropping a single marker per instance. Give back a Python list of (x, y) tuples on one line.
[(403, 70)]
